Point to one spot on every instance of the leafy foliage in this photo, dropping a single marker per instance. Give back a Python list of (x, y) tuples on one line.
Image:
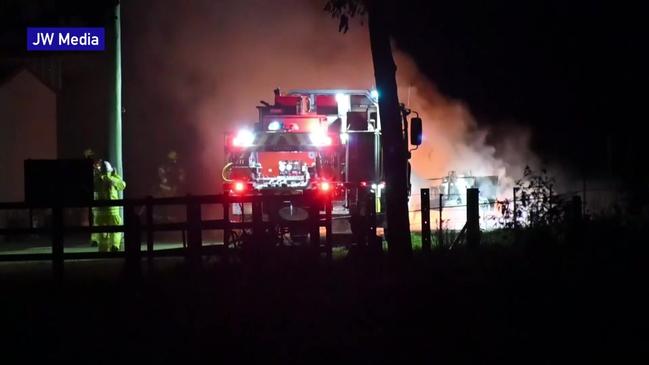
[(505, 218), (344, 10), (536, 202)]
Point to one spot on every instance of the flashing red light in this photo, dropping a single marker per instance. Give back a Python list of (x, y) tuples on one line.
[(239, 186), (325, 186), (364, 184)]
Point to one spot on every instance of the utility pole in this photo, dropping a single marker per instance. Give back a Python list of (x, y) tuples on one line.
[(115, 113)]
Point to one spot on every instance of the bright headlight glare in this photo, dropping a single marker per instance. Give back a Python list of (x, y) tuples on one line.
[(320, 138), (274, 125), (244, 138)]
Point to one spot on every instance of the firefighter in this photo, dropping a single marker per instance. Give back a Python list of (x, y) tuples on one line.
[(171, 182), (171, 176), (89, 153), (108, 184)]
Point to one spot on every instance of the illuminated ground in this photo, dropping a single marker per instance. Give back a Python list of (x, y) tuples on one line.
[(13, 249), (43, 247)]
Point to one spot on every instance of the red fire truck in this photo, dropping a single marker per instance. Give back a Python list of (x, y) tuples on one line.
[(311, 141)]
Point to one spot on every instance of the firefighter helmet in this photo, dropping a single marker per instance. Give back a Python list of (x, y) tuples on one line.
[(89, 153)]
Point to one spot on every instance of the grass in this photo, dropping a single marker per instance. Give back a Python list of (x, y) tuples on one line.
[(528, 304), (497, 237)]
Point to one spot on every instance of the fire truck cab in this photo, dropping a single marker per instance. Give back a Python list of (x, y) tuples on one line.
[(309, 140)]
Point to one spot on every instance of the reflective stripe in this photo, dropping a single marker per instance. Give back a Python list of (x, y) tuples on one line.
[(107, 211)]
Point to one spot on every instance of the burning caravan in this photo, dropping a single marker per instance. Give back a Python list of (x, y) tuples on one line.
[(452, 188)]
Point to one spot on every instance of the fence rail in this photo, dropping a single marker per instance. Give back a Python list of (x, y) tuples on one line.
[(319, 208)]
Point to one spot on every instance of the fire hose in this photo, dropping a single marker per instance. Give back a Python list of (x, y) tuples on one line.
[(226, 167)]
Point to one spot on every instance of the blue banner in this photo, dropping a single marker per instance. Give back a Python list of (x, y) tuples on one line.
[(65, 39)]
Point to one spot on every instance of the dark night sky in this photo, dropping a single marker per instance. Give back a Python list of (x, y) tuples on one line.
[(574, 71)]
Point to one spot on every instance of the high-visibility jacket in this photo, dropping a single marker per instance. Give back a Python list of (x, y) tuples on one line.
[(107, 187)]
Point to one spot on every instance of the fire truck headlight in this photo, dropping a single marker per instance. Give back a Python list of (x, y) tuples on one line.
[(319, 138), (244, 138), (274, 125)]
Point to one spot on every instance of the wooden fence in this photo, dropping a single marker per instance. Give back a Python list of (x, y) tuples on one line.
[(138, 225)]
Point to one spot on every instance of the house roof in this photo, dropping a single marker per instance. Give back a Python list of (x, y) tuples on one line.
[(9, 71)]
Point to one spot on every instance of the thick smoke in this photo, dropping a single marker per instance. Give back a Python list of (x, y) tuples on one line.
[(204, 65), (453, 140)]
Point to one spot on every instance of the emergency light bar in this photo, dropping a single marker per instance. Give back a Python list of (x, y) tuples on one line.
[(275, 125), (278, 141)]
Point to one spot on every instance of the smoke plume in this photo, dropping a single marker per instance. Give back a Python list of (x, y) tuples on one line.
[(197, 69), (453, 139)]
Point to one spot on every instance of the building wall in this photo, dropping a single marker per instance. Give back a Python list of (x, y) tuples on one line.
[(27, 130)]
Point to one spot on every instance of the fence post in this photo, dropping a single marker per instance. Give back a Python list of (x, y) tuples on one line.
[(472, 218), (226, 219), (374, 242), (132, 241), (515, 215), (425, 220), (314, 219), (578, 211), (57, 241), (194, 231), (259, 241), (440, 230), (329, 225), (149, 228), (575, 211)]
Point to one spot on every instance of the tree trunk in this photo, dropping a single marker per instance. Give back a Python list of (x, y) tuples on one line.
[(394, 145)]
